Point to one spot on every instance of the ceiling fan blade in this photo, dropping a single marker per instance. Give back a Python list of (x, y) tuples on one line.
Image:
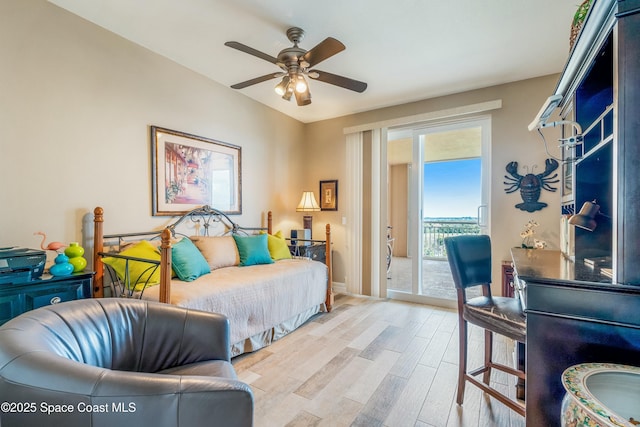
[(325, 49), (337, 80), (251, 51), (260, 79)]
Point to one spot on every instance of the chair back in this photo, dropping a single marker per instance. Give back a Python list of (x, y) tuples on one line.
[(112, 333), (470, 260)]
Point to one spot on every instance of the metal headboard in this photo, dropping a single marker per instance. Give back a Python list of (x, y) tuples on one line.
[(206, 216)]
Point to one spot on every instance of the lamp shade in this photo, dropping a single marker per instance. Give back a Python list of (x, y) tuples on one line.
[(308, 203), (586, 217)]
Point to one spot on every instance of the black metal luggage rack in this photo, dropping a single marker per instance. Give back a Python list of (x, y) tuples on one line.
[(307, 249)]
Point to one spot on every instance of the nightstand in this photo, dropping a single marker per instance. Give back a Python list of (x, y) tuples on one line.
[(507, 279), (18, 298)]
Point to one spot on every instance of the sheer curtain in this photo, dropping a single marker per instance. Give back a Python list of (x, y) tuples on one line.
[(353, 228), (376, 216)]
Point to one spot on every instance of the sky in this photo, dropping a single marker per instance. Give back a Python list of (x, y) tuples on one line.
[(452, 188)]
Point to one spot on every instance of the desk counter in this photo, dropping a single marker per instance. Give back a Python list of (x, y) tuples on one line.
[(574, 315), (542, 264)]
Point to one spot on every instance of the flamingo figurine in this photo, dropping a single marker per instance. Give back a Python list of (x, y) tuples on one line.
[(52, 246)]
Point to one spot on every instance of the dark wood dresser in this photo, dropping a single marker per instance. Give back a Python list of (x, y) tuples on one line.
[(574, 315), (583, 304), (19, 298)]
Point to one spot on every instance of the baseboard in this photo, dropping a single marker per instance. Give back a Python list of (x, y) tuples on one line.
[(339, 288)]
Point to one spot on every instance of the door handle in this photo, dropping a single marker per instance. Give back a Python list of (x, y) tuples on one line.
[(481, 221)]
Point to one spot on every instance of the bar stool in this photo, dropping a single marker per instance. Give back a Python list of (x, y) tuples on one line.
[(470, 260)]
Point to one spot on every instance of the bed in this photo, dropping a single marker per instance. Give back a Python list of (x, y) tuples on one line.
[(264, 301)]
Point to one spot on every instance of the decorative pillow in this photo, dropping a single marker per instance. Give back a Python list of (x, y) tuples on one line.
[(187, 261), (219, 251), (140, 272), (253, 249), (278, 247)]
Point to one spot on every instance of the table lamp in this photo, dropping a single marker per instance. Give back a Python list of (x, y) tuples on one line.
[(307, 204)]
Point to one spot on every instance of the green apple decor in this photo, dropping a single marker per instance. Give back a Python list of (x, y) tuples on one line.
[(74, 251)]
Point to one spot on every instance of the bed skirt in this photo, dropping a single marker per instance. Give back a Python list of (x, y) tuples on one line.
[(265, 338)]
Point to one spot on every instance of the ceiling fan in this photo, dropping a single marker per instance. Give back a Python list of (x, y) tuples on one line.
[(296, 63)]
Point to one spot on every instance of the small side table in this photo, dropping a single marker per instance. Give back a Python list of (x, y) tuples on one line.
[(507, 279), (519, 351), (19, 298)]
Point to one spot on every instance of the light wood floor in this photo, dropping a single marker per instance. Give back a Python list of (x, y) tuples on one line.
[(370, 363)]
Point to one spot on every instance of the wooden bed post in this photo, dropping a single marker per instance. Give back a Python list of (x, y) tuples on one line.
[(165, 267), (269, 222), (98, 242), (329, 300)]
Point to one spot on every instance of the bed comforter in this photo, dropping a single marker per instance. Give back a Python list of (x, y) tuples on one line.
[(263, 302)]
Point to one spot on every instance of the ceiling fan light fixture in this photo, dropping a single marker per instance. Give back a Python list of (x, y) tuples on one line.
[(288, 92), (303, 98), (301, 84), (281, 88)]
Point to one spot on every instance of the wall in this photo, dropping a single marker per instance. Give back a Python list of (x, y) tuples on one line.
[(77, 103), (511, 140)]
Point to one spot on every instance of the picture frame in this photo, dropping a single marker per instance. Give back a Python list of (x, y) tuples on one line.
[(189, 171), (329, 195)]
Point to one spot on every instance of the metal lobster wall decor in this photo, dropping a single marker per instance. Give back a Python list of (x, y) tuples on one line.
[(531, 184)]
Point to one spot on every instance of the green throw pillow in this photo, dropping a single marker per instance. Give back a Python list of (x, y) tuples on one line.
[(253, 249), (140, 272), (187, 261), (278, 247)]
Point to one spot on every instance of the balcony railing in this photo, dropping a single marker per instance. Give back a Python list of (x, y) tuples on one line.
[(434, 233)]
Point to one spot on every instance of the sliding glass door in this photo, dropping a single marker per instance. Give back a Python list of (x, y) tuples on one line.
[(438, 187)]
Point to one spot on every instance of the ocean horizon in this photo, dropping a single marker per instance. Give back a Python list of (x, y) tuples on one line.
[(450, 218)]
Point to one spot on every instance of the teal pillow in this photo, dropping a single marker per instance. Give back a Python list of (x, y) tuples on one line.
[(187, 261), (253, 249)]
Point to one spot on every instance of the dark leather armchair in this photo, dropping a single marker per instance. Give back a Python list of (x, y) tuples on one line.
[(115, 362)]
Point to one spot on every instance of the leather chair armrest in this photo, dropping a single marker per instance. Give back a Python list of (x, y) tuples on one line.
[(212, 329), (99, 396), (175, 337), (201, 400)]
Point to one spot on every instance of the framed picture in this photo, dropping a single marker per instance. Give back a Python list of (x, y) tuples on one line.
[(190, 171), (329, 195)]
